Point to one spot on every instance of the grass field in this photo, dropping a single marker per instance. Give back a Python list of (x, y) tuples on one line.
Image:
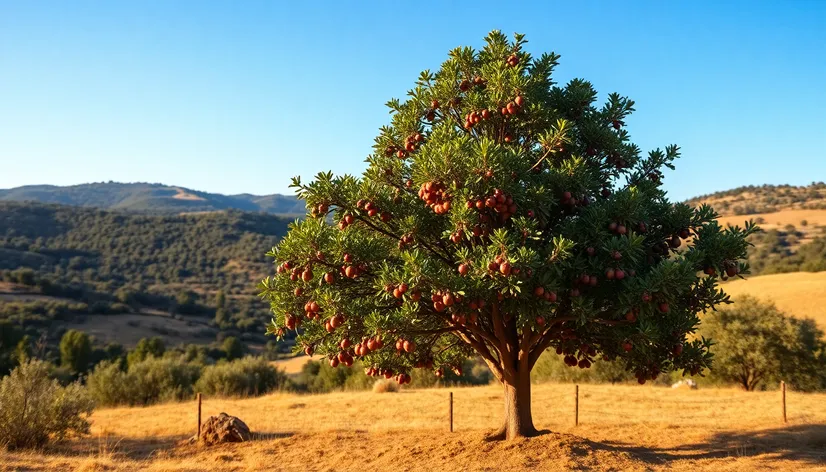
[(621, 428), (802, 294)]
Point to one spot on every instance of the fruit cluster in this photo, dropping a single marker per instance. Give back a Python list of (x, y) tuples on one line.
[(334, 322), (405, 345), (513, 107), (569, 202), (498, 201), (475, 117), (312, 309), (351, 270), (319, 210), (398, 290), (443, 299), (435, 196), (512, 60)]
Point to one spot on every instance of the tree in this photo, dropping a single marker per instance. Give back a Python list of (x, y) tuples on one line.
[(75, 350), (757, 344), (146, 348), (501, 215), (233, 348)]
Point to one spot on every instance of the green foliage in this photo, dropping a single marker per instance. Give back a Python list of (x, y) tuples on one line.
[(76, 350), (145, 349), (146, 382), (35, 409), (242, 377), (233, 348), (502, 214), (756, 345), (774, 254)]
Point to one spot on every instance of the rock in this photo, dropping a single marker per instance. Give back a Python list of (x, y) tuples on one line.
[(686, 383), (223, 429)]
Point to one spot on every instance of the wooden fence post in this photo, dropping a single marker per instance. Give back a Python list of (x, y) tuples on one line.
[(199, 416), (576, 406), (783, 397), (451, 412)]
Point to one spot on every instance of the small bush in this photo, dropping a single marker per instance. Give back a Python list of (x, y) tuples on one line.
[(35, 408), (385, 386), (242, 377), (149, 381)]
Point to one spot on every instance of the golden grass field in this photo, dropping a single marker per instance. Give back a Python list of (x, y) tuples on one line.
[(801, 294), (621, 428)]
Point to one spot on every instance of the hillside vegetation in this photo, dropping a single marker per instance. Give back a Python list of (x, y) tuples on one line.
[(65, 266), (152, 198), (655, 429)]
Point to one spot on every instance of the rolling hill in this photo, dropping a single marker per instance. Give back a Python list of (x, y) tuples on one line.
[(189, 278), (152, 198)]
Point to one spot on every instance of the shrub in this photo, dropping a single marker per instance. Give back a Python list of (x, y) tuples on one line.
[(35, 408), (146, 348), (385, 386), (242, 377), (149, 381)]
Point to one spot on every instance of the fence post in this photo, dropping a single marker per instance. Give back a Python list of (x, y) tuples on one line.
[(576, 406), (199, 416), (783, 397), (451, 412)]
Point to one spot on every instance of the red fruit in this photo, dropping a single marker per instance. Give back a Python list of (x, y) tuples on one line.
[(439, 372), (678, 349), (409, 346), (519, 100), (434, 104), (710, 270), (309, 350), (505, 268), (472, 318), (646, 297), (328, 326), (621, 229), (485, 114), (684, 233), (371, 344), (448, 299), (416, 296), (345, 343), (627, 347), (612, 226), (630, 317), (619, 274), (641, 380), (307, 275), (616, 255), (584, 364), (350, 272), (298, 291), (439, 306), (731, 271), (610, 274), (329, 277), (348, 258), (566, 196), (337, 320), (540, 321), (334, 362), (663, 307), (463, 269), (675, 242), (539, 291)]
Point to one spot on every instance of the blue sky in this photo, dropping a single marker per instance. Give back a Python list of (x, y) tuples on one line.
[(239, 96)]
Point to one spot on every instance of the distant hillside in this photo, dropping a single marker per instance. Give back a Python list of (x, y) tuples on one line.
[(793, 220), (152, 198), (122, 276), (752, 199)]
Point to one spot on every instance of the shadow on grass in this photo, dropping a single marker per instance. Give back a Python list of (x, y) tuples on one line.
[(803, 443), (143, 448)]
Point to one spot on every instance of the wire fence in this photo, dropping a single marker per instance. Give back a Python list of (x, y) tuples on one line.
[(458, 410)]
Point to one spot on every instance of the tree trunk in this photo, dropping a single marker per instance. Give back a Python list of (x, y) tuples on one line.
[(518, 420)]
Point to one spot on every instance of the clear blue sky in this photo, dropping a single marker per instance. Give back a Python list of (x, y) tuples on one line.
[(239, 96)]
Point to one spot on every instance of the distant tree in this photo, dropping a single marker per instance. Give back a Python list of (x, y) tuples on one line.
[(758, 345), (233, 348), (146, 348), (75, 351), (501, 215)]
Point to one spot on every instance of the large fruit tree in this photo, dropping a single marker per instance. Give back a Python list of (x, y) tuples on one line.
[(500, 216)]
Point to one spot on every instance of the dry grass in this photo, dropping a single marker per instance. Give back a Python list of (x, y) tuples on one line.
[(293, 365), (779, 219), (801, 294), (622, 428)]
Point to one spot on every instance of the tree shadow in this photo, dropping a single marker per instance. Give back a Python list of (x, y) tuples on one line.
[(802, 443), (142, 448)]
